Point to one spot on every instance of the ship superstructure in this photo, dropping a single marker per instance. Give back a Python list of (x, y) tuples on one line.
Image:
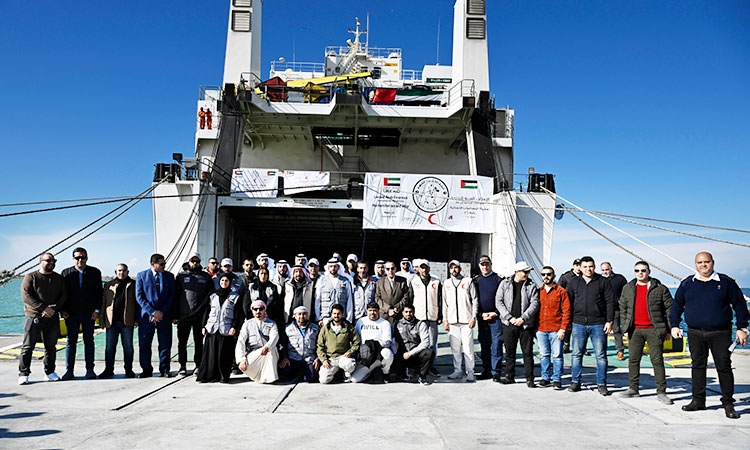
[(356, 112)]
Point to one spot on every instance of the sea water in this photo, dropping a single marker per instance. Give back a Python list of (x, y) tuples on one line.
[(11, 306)]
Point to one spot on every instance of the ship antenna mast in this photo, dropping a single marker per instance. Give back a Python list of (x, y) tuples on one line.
[(437, 57), (367, 30)]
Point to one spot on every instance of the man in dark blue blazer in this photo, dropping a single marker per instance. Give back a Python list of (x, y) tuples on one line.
[(154, 291)]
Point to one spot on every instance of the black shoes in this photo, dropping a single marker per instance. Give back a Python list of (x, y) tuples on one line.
[(544, 383), (730, 412), (602, 389), (485, 376), (508, 380), (146, 375), (106, 374), (574, 387), (182, 371), (694, 406), (530, 384), (557, 386), (129, 374), (166, 374), (497, 378)]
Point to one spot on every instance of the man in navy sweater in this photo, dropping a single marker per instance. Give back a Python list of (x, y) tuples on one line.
[(707, 298), (488, 319)]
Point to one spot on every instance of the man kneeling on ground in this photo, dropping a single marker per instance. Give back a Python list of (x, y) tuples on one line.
[(338, 344), (256, 352), (299, 361), (375, 335), (413, 346)]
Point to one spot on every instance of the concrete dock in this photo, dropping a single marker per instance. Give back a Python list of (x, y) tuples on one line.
[(180, 413)]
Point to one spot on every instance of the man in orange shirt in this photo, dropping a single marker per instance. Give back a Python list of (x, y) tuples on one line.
[(209, 118), (554, 318), (202, 118)]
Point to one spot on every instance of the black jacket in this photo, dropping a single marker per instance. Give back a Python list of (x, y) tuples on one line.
[(593, 302), (83, 299), (617, 282), (658, 300), (565, 278), (191, 290)]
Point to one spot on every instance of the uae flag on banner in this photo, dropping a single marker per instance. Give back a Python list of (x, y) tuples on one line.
[(468, 184), (392, 182)]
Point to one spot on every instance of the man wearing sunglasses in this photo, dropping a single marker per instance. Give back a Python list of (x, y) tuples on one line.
[(84, 285), (644, 307), (391, 293), (154, 292), (213, 266), (43, 294), (554, 318)]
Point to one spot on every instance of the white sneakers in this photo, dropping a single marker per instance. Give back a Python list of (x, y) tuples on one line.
[(470, 377), (51, 377), (455, 375), (24, 379)]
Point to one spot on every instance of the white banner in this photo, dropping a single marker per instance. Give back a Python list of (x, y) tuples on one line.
[(428, 202), (255, 183), (296, 181)]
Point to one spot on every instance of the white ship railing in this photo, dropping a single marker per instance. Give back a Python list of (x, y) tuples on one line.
[(411, 75), (373, 52), (316, 69)]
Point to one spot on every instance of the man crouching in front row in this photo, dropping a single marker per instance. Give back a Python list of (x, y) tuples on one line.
[(338, 344)]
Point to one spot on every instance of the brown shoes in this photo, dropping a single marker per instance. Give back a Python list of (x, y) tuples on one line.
[(620, 356)]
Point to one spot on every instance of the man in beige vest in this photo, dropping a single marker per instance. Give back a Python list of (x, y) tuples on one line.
[(427, 297)]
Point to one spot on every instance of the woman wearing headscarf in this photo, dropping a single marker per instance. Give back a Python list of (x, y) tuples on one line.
[(263, 289), (221, 323)]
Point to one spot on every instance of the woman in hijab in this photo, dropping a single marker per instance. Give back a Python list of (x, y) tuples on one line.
[(221, 322)]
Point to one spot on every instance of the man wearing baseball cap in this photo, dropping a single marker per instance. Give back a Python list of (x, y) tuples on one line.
[(517, 300), (490, 328), (427, 297)]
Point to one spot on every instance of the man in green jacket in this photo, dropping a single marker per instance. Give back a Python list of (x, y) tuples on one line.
[(338, 344), (645, 304)]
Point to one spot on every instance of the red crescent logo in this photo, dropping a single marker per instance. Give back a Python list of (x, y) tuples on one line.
[(429, 219)]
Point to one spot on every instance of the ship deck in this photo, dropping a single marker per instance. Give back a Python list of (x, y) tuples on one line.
[(177, 412)]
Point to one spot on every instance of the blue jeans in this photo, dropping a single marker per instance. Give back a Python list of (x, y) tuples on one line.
[(125, 333), (491, 344), (581, 335), (163, 330), (72, 323), (548, 343)]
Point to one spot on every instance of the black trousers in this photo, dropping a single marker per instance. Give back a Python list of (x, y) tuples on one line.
[(513, 335), (718, 343), (33, 327), (416, 364), (299, 371), (183, 333)]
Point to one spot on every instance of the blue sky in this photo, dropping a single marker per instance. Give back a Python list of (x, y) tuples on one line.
[(638, 107)]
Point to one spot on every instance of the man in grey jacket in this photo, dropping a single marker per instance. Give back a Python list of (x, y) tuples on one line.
[(413, 346), (517, 300)]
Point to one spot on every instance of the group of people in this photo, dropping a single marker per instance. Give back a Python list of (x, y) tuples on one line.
[(280, 321), (205, 118)]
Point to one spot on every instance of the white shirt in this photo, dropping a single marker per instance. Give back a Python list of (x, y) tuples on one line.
[(714, 277)]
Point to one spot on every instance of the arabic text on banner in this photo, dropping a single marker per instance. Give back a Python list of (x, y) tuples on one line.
[(255, 183), (428, 202)]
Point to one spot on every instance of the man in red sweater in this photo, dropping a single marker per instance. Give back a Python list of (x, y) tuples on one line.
[(645, 304)]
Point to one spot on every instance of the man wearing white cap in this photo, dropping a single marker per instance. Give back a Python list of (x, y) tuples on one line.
[(332, 289), (297, 292), (427, 297), (299, 359), (517, 301), (458, 313), (313, 268), (256, 353), (351, 264)]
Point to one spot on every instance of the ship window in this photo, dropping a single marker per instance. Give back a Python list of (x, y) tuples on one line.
[(242, 3), (376, 73), (475, 7), (475, 28), (241, 21)]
